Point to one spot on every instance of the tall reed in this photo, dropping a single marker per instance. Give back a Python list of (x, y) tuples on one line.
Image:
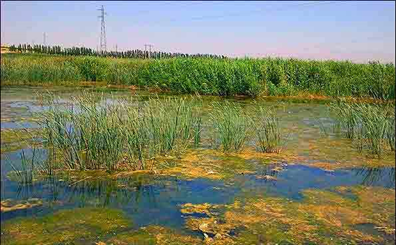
[(370, 125), (268, 131), (231, 126), (95, 133), (224, 77)]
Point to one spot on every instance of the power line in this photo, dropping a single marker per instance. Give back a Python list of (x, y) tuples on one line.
[(102, 29)]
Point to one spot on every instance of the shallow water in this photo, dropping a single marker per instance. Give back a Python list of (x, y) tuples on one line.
[(156, 200)]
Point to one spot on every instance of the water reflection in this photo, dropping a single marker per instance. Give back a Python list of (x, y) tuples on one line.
[(373, 176)]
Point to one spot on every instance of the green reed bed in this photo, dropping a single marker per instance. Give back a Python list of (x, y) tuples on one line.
[(224, 77), (95, 134), (370, 126), (234, 127)]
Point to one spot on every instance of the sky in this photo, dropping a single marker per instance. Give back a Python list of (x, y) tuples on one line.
[(356, 31)]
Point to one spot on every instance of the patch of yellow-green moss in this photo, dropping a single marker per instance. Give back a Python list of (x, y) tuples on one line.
[(206, 163), (322, 217), (12, 205), (16, 139), (153, 235), (75, 226)]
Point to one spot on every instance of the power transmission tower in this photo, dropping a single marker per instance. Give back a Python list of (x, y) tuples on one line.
[(44, 39), (145, 49), (102, 29)]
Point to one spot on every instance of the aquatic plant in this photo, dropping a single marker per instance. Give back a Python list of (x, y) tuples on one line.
[(26, 172), (369, 125), (268, 132), (347, 117), (94, 133), (197, 131), (320, 217), (224, 77), (390, 134), (374, 127), (231, 126), (73, 226)]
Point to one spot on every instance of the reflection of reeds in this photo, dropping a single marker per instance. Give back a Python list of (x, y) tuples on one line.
[(370, 125), (372, 176), (25, 173)]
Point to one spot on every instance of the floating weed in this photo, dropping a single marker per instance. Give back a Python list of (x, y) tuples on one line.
[(76, 226), (205, 163), (12, 205), (322, 217), (16, 139), (153, 235)]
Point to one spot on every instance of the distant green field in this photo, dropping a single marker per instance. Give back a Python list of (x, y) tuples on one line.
[(224, 77)]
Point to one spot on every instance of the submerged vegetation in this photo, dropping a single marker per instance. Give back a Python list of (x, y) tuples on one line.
[(15, 139), (224, 77), (322, 217), (76, 226)]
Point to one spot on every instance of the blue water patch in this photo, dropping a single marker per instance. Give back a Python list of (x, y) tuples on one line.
[(295, 178)]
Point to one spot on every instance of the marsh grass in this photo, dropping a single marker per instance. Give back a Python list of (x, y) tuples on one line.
[(231, 126), (267, 130), (197, 132), (111, 134), (370, 126), (223, 77)]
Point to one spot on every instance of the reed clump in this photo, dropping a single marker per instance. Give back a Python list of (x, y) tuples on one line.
[(231, 126), (268, 132), (371, 126), (93, 133)]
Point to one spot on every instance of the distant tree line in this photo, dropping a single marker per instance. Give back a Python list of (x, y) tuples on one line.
[(76, 51)]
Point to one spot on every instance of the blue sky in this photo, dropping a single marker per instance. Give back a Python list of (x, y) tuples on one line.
[(357, 31)]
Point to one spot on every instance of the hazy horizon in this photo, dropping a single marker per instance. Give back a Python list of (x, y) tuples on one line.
[(356, 31)]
